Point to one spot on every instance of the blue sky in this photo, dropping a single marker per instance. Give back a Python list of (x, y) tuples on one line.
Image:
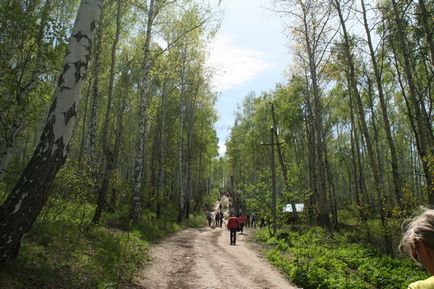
[(249, 53)]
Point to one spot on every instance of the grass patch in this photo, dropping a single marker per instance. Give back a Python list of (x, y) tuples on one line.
[(313, 259), (57, 255), (64, 251)]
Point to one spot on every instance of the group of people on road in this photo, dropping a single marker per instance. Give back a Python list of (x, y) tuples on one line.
[(217, 216), (236, 224), (417, 240), (218, 219)]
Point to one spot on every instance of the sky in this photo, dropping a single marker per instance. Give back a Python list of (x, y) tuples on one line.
[(249, 53)]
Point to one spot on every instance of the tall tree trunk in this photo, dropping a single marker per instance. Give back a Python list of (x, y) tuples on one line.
[(139, 159), (312, 180), (427, 18), (120, 128), (369, 144), (181, 159), (397, 183), (189, 172), (182, 170), (191, 117), (23, 205), (109, 155), (424, 136), (161, 153), (354, 157), (333, 198), (375, 141), (311, 36), (94, 106), (153, 175)]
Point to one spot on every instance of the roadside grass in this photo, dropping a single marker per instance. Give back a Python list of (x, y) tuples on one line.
[(63, 249), (313, 258)]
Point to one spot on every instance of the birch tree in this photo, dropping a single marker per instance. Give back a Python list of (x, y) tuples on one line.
[(108, 152), (373, 157), (23, 205), (144, 101), (397, 182), (417, 111)]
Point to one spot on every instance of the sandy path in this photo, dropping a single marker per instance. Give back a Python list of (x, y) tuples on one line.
[(202, 258)]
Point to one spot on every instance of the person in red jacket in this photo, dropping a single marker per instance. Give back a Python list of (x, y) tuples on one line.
[(242, 222), (233, 227)]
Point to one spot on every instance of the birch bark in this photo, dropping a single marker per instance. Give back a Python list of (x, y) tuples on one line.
[(144, 100), (23, 205)]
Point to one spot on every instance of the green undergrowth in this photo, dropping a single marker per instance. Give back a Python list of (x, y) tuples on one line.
[(154, 228), (314, 259), (63, 249)]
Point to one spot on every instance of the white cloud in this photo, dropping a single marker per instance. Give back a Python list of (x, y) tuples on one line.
[(235, 65)]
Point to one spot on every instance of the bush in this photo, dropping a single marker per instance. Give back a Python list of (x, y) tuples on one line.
[(60, 254), (315, 259)]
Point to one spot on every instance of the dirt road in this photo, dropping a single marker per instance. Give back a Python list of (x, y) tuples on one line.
[(202, 258)]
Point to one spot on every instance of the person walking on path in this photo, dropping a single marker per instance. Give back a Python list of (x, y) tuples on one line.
[(253, 220), (221, 218), (217, 218), (233, 227), (418, 243), (242, 222), (208, 217)]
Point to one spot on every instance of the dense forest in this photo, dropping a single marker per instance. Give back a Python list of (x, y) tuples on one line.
[(353, 128), (108, 139), (350, 136)]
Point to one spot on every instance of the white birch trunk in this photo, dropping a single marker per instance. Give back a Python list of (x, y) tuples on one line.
[(180, 155), (23, 205), (182, 171), (144, 99)]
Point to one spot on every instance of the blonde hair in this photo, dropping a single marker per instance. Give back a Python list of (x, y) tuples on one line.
[(418, 229)]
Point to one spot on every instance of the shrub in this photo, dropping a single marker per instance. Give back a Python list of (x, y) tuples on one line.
[(315, 259)]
